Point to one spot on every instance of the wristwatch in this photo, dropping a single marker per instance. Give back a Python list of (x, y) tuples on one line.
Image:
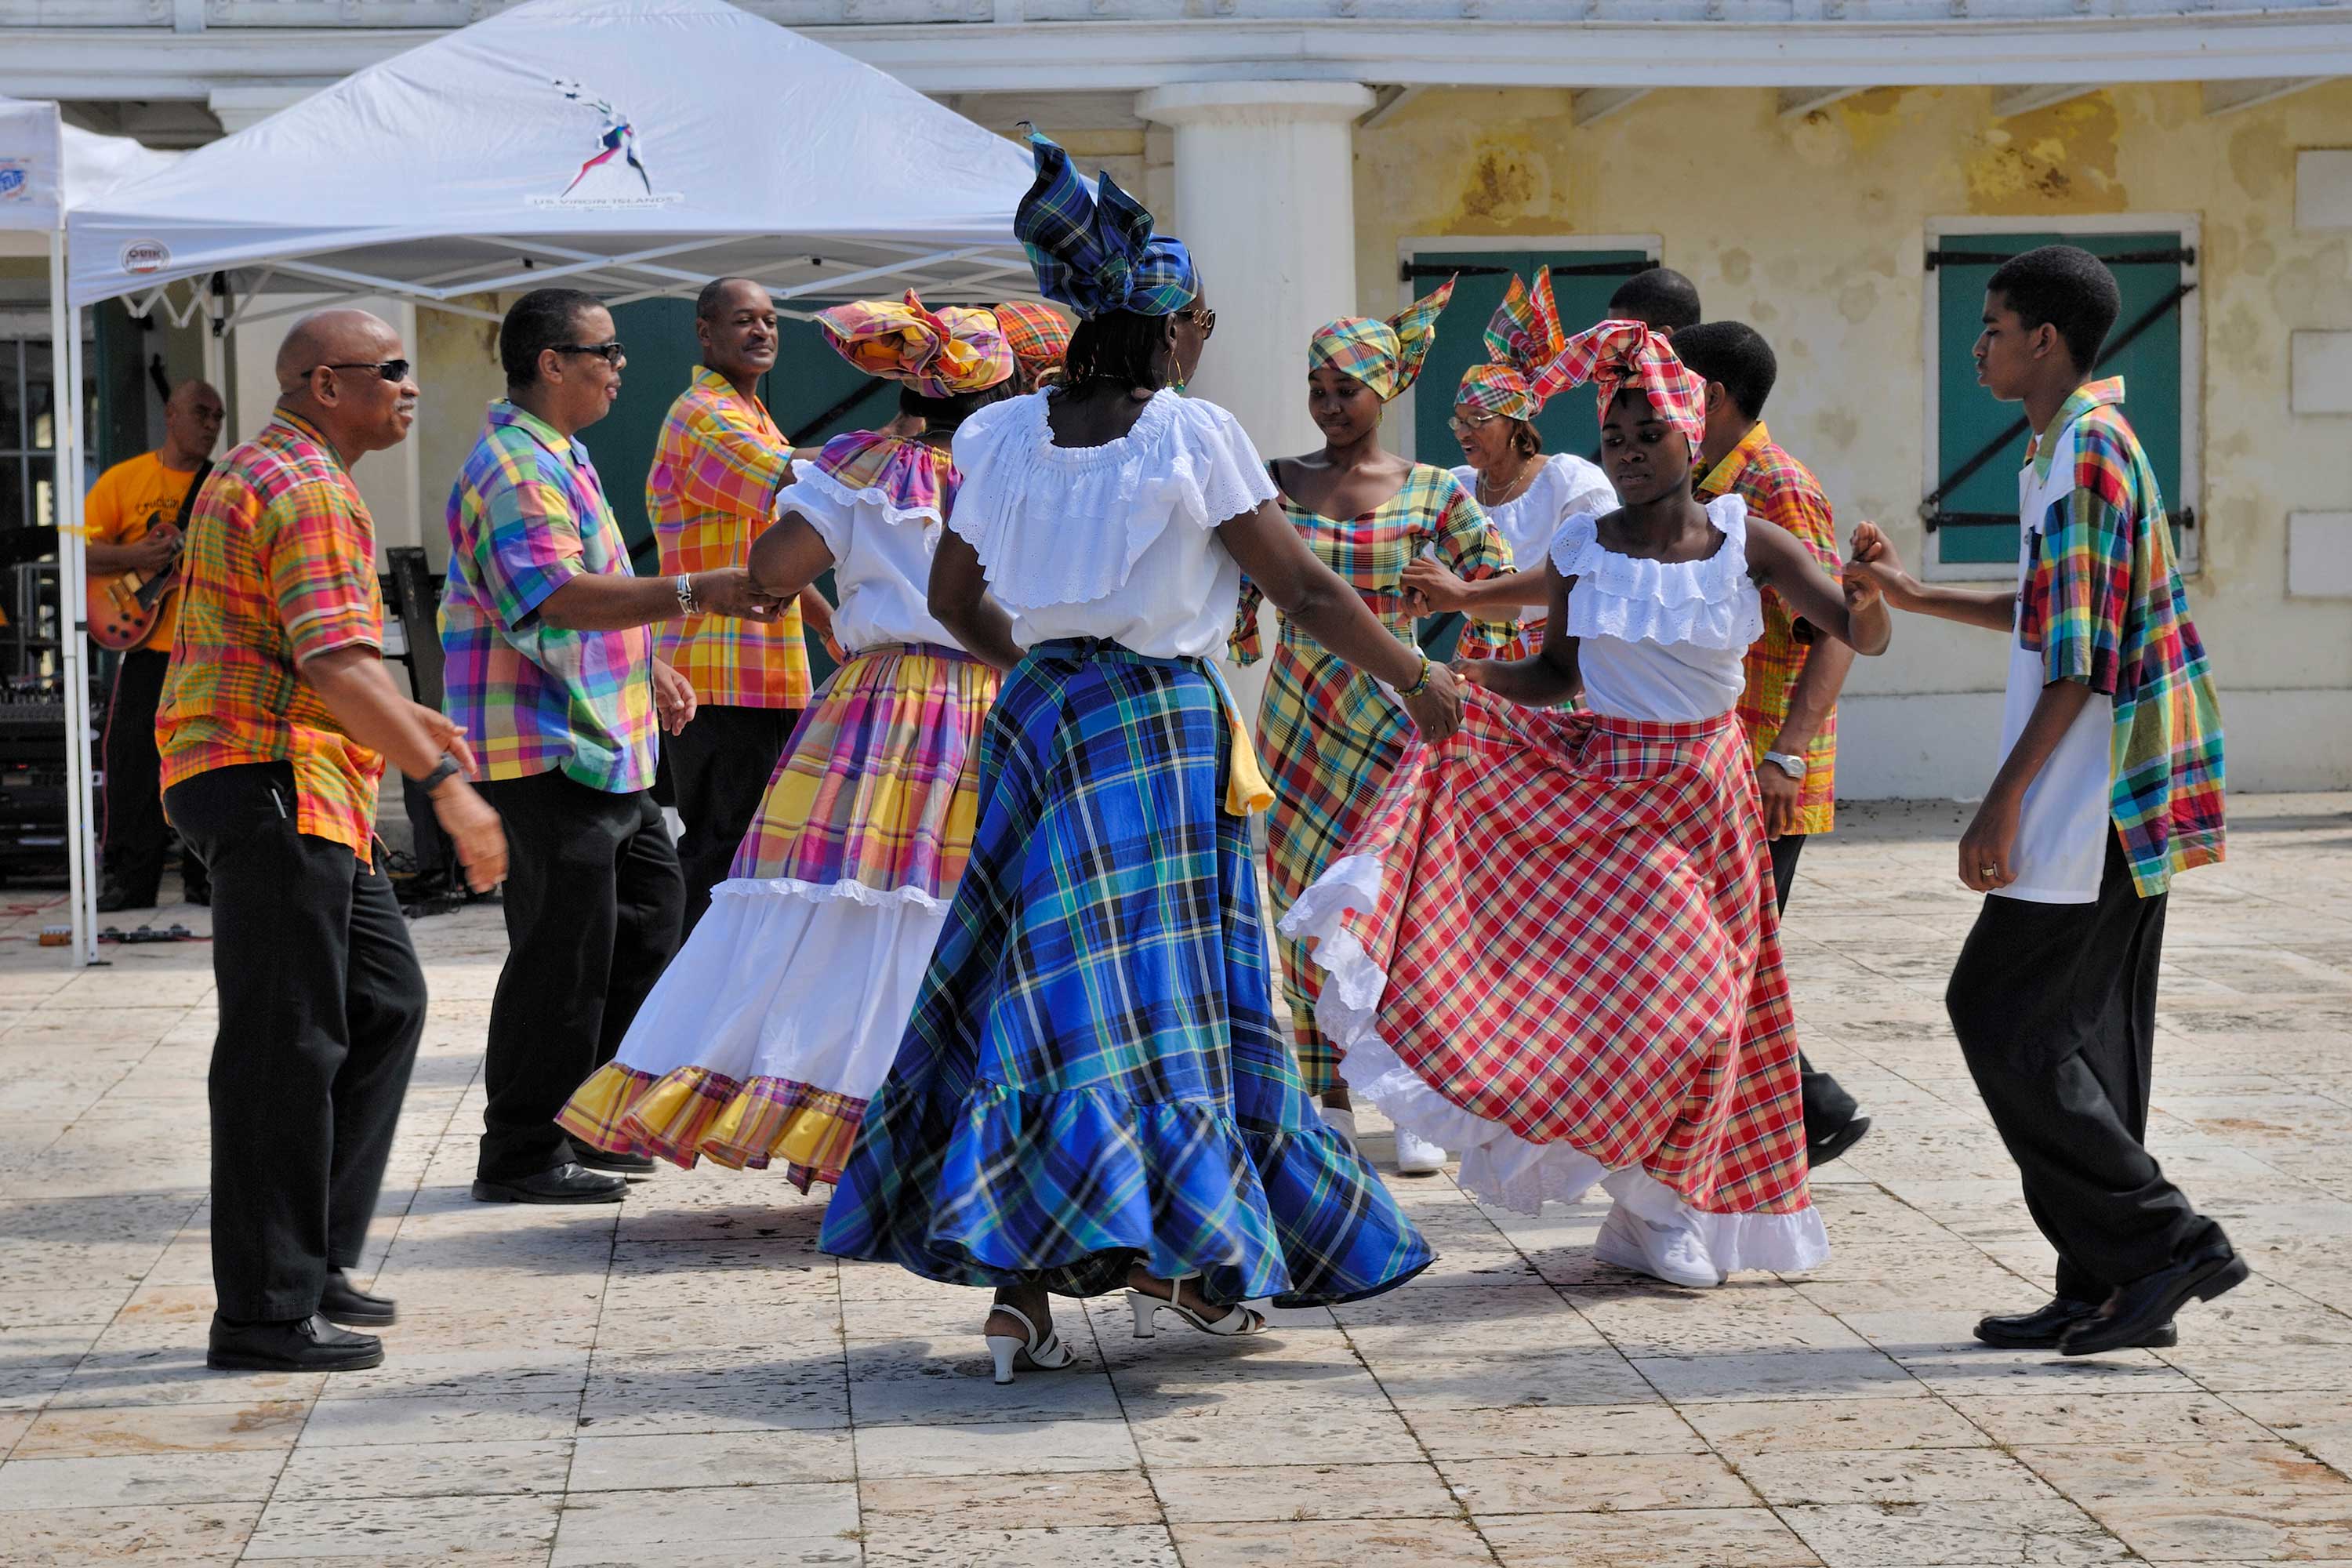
[(447, 768), (1788, 762)]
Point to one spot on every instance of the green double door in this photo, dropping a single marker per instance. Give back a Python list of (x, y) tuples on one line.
[(1581, 283), (812, 394)]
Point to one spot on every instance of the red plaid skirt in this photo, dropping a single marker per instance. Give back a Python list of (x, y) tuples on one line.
[(1557, 929)]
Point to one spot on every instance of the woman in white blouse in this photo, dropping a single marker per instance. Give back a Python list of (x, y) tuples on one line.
[(1093, 1091)]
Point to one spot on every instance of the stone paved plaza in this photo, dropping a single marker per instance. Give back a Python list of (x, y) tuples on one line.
[(682, 1379)]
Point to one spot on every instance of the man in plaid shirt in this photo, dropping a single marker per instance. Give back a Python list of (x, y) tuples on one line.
[(275, 723), (712, 488), (2110, 783), (552, 674), (1790, 706)]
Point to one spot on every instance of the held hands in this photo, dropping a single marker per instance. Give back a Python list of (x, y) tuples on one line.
[(1872, 558), (730, 591), (1471, 671), (1437, 709), (816, 615), (673, 700), (1430, 590)]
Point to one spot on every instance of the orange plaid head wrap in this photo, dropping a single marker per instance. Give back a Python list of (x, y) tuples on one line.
[(1038, 336), (1523, 337), (939, 354), (1384, 356), (1615, 355)]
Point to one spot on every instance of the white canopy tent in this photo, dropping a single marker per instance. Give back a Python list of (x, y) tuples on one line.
[(631, 148), (45, 167)]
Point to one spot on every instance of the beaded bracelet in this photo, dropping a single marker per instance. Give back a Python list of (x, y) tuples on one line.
[(1418, 687)]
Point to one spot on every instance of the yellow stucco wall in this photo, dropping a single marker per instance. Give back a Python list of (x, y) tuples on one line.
[(1812, 229)]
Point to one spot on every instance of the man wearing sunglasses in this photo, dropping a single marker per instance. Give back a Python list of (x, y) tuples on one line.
[(276, 719), (552, 674)]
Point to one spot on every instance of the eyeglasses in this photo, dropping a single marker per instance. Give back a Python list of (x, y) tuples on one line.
[(1206, 320), (388, 368), (1462, 426), (609, 353)]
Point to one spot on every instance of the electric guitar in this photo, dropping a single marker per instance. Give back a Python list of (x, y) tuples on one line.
[(123, 606)]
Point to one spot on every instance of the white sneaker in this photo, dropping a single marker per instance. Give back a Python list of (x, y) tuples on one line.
[(1343, 1122), (1666, 1252), (1416, 1155)]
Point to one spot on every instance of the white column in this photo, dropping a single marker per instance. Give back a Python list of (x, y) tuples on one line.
[(1266, 198)]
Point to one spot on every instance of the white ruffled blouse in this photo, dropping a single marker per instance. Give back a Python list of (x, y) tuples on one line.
[(1661, 640), (881, 559), (1117, 541), (1565, 485)]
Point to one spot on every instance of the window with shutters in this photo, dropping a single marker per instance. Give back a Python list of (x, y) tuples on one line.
[(1976, 446)]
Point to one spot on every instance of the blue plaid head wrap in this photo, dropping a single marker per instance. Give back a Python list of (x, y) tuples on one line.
[(1097, 252)]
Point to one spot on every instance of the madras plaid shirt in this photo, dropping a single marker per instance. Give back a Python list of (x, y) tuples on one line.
[(279, 568), (1780, 489), (526, 516), (717, 469), (2102, 603)]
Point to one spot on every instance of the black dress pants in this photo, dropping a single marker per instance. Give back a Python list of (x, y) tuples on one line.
[(2054, 1006), (135, 835), (720, 764), (322, 1005), (1828, 1106), (593, 896)]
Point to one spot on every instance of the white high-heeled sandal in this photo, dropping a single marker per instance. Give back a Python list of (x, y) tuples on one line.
[(1048, 1354), (1145, 1306)]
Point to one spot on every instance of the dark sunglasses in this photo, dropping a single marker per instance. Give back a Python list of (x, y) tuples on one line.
[(388, 368), (609, 353)]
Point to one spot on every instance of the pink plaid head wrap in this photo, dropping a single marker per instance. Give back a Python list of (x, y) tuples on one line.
[(940, 354), (1615, 355), (1384, 356), (1523, 337)]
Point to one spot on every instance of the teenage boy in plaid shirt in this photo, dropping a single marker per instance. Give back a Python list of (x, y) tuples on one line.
[(712, 490), (1790, 706), (2110, 782), (552, 674)]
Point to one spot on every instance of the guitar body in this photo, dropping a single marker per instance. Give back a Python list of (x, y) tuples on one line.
[(123, 606)]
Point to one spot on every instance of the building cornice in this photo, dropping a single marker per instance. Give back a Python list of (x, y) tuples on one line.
[(119, 63)]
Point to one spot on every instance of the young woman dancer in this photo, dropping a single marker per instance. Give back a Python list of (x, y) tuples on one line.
[(1552, 945), (1093, 1092), (1331, 735), (1525, 494), (763, 1039)]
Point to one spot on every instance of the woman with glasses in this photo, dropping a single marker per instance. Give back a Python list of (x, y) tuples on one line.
[(1093, 1093), (1332, 734), (1525, 494)]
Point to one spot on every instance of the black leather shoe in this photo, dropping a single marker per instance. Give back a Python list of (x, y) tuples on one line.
[(306, 1345), (639, 1166), (2136, 1309), (113, 899), (2043, 1329), (568, 1182), (345, 1303), (1837, 1142)]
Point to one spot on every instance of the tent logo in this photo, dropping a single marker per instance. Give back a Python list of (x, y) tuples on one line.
[(142, 256), (616, 142), (16, 180)]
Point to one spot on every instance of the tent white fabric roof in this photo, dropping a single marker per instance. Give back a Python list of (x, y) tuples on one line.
[(46, 166), (629, 147)]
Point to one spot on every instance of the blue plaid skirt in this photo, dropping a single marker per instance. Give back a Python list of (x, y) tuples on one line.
[(1093, 1077)]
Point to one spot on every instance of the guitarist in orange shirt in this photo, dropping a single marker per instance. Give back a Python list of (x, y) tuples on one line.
[(135, 514)]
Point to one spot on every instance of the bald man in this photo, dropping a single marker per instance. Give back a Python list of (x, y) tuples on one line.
[(276, 719), (135, 517)]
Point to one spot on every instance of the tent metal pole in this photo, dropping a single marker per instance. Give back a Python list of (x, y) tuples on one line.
[(81, 835)]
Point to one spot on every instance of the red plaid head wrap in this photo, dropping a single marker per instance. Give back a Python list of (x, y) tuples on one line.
[(1038, 336), (1523, 337), (1615, 355), (939, 354), (1384, 356)]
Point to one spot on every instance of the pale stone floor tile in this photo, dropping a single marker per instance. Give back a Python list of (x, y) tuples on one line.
[(799, 1524), (1600, 1482), (1554, 1432), (167, 1535), (890, 1544), (1781, 1376), (425, 1470), (1334, 1543), (1364, 1431), (1303, 1491), (2109, 1419), (492, 1418), (2052, 1534), (710, 1459), (907, 1450), (376, 1529), (1793, 1475), (1740, 1426), (131, 1480), (1655, 1538), (952, 1504)]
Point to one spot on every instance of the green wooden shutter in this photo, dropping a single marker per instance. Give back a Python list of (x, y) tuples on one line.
[(1974, 513)]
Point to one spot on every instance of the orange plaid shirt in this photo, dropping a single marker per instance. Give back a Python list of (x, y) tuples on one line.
[(1779, 488), (717, 469), (281, 567)]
